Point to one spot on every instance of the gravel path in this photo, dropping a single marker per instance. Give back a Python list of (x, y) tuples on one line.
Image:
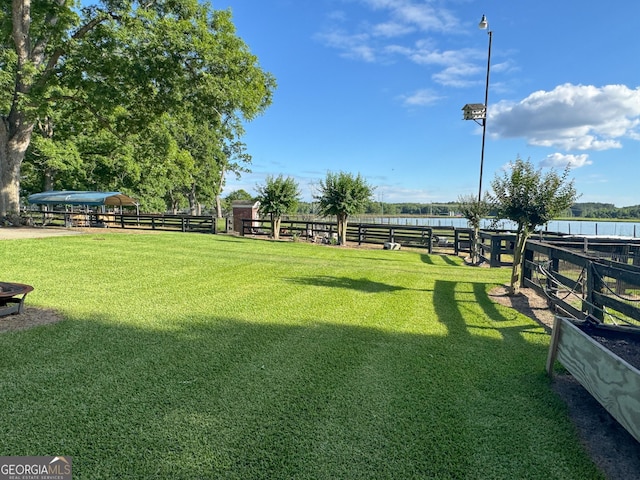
[(13, 233)]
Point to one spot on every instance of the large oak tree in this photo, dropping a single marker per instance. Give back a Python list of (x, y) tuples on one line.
[(125, 64)]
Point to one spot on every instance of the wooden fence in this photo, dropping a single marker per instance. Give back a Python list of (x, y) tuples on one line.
[(164, 222), (599, 280), (447, 238), (452, 239), (497, 247)]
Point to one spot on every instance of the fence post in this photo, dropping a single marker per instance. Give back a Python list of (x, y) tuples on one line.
[(496, 245), (554, 266), (593, 285), (526, 268), (456, 239)]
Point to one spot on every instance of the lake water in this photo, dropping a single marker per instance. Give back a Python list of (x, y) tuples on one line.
[(573, 227)]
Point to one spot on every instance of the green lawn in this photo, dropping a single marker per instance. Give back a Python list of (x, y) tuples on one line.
[(189, 356)]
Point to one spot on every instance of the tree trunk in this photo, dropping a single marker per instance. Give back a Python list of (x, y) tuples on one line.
[(275, 227), (15, 129), (45, 127), (174, 203), (342, 229), (218, 206), (15, 135), (49, 179), (218, 193), (521, 241), (193, 201), (475, 247)]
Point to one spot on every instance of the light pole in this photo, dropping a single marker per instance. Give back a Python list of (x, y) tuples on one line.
[(475, 112)]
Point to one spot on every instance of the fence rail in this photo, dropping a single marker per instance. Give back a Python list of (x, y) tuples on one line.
[(164, 222), (438, 238), (583, 284)]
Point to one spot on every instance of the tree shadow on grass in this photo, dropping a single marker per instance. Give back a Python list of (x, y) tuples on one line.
[(439, 259), (448, 301), (360, 284), (209, 397), (491, 310)]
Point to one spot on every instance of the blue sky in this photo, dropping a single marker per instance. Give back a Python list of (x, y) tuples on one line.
[(377, 87)]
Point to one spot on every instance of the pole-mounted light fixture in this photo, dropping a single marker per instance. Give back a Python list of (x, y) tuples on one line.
[(475, 111)]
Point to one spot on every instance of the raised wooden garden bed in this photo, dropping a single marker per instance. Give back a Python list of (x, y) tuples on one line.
[(605, 362)]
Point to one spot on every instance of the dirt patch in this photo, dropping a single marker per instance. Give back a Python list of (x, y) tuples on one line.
[(528, 302), (625, 345), (610, 446), (16, 233), (30, 317)]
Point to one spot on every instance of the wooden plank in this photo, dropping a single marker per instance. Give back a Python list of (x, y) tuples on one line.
[(559, 253), (553, 346), (609, 379), (626, 273), (627, 309)]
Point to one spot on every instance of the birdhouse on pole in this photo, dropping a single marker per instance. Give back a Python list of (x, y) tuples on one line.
[(474, 111)]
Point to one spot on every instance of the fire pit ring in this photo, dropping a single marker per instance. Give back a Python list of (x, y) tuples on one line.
[(12, 297)]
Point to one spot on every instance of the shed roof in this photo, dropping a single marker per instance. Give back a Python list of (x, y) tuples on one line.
[(70, 197)]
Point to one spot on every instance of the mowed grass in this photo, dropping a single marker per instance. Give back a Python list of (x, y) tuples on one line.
[(191, 356)]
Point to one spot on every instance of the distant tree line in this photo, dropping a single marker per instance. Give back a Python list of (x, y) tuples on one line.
[(380, 208), (604, 210), (577, 210)]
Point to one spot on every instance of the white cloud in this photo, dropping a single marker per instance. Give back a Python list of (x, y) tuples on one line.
[(381, 40), (397, 194), (571, 117), (559, 160), (420, 98), (391, 29), (422, 16), (460, 76), (352, 45)]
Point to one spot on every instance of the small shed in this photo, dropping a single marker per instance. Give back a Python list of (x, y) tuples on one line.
[(245, 210)]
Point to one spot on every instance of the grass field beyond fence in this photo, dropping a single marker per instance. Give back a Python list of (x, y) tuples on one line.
[(204, 357)]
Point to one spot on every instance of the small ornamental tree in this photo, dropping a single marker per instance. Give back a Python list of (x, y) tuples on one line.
[(278, 196), (530, 199), (474, 211), (342, 194)]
